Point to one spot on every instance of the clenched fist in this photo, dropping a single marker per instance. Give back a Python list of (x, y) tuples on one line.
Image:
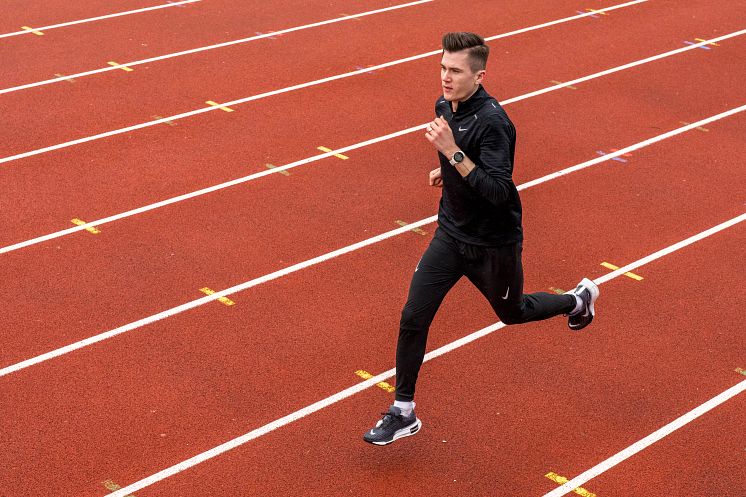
[(440, 135), (435, 178)]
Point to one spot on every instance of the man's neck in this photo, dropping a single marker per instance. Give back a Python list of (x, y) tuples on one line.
[(454, 104)]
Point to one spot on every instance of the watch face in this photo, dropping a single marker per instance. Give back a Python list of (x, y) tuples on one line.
[(458, 156)]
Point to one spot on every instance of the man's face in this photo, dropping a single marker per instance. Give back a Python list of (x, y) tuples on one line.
[(459, 82)]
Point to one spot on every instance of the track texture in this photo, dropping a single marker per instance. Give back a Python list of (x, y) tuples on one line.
[(499, 413)]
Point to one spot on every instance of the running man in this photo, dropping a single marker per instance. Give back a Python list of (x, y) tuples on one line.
[(479, 231)]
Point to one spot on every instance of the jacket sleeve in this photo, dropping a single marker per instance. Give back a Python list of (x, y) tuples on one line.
[(492, 177)]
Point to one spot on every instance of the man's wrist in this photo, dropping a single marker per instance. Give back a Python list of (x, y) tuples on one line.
[(465, 167), (449, 153)]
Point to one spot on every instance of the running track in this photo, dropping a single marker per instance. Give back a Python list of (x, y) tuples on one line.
[(499, 413)]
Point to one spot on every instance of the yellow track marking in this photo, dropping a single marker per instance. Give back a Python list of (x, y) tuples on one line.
[(110, 485), (353, 18), (221, 107), (698, 127), (338, 156), (70, 80), (80, 222), (35, 31), (120, 66), (382, 385), (562, 480), (416, 230), (224, 300), (560, 82), (170, 123), (628, 274), (272, 166)]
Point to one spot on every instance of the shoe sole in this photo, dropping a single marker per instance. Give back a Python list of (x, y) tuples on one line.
[(595, 292), (407, 431)]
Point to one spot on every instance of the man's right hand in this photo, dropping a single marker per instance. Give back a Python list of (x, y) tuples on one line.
[(435, 178)]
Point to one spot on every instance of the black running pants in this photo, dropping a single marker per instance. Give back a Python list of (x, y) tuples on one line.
[(496, 271)]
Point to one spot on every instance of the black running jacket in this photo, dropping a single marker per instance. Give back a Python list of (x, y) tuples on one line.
[(482, 208)]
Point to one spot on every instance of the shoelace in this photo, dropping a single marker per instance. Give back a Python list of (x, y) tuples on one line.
[(387, 418)]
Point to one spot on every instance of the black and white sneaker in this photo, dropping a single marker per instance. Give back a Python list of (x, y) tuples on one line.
[(392, 427), (588, 293)]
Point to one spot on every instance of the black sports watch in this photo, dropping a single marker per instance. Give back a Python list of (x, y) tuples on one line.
[(457, 158)]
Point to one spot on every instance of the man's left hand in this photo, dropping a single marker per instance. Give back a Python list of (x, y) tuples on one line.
[(440, 135)]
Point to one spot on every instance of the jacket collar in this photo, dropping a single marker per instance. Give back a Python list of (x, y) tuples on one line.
[(474, 102)]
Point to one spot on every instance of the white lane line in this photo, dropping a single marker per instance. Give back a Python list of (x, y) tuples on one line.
[(219, 45), (275, 33), (649, 440), (91, 19), (630, 148), (251, 177), (203, 191), (359, 387), (233, 103), (288, 270)]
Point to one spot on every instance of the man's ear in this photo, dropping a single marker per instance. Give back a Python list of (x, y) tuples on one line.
[(480, 76)]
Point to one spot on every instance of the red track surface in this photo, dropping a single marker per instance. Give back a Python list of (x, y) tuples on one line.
[(510, 407)]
